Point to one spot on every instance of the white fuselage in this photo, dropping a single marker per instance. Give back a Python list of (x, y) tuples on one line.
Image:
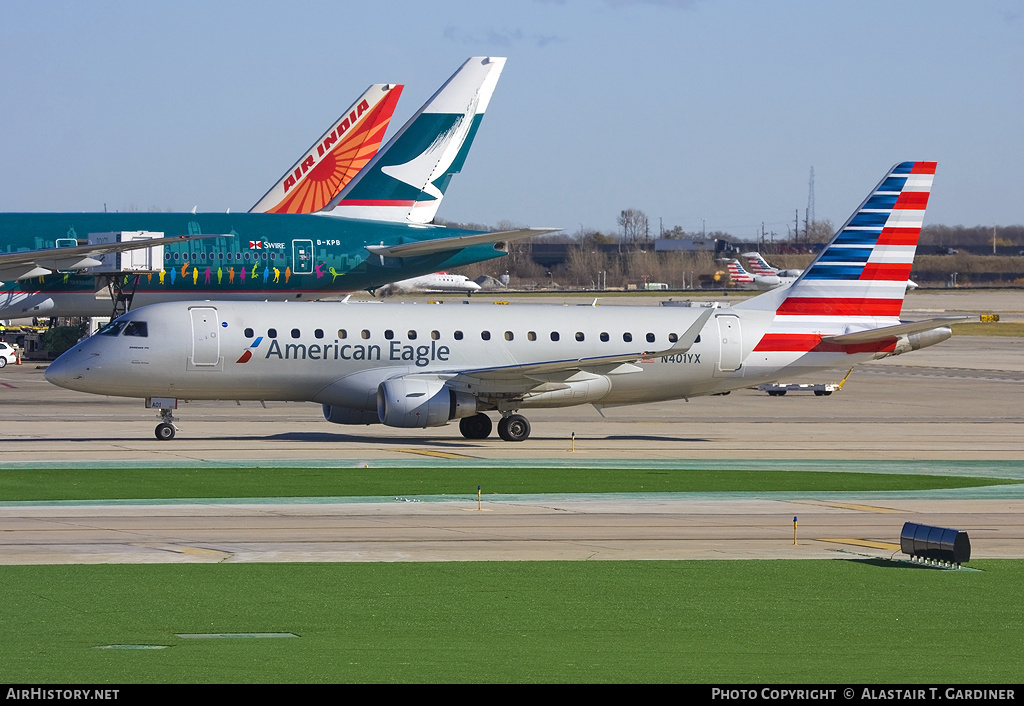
[(338, 353)]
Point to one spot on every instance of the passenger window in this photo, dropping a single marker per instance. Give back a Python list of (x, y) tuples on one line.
[(411, 335), (580, 336), (673, 337), (364, 334), (627, 337), (650, 338), (604, 337), (342, 333), (531, 335), (435, 335), (509, 336), (389, 334), (486, 335), (272, 333), (249, 333), (458, 335), (136, 328), (554, 335), (319, 333)]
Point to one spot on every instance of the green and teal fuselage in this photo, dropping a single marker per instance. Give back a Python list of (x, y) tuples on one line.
[(260, 256)]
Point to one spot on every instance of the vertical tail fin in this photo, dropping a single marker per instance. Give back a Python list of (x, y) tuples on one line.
[(326, 167), (758, 265), (407, 179), (861, 276), (737, 274)]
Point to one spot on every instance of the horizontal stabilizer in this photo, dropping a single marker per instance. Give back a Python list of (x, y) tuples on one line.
[(881, 334), (429, 247)]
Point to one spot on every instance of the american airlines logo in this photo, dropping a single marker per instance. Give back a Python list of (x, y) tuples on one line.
[(326, 146)]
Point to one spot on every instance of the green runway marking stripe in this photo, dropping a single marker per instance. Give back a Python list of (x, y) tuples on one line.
[(888, 546), (218, 635)]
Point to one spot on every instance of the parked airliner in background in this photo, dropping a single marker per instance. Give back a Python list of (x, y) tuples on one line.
[(746, 280), (761, 269), (374, 231), (436, 282), (759, 266), (423, 365)]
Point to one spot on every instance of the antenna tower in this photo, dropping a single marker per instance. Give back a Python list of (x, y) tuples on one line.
[(810, 198)]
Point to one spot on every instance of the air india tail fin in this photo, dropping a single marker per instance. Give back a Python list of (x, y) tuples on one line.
[(858, 282), (407, 179), (326, 167)]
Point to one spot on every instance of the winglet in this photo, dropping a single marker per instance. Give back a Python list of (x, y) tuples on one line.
[(331, 162), (406, 180)]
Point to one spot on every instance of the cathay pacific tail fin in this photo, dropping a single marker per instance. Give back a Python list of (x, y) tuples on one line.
[(407, 179)]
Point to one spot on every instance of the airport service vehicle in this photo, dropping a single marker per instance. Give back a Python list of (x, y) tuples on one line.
[(821, 389), (376, 230), (424, 365)]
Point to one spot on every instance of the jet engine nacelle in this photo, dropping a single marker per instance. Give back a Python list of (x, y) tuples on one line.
[(418, 403), (349, 415), (917, 341)]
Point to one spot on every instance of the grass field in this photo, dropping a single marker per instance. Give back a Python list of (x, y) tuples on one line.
[(1009, 329), (154, 483), (713, 621)]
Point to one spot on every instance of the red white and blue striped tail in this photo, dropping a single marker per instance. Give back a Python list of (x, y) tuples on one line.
[(737, 274), (863, 272)]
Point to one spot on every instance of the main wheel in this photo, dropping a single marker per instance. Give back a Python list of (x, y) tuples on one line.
[(514, 427), (476, 427), (164, 431)]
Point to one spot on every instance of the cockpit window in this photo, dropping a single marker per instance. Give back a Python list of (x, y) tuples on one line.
[(136, 328), (111, 329)]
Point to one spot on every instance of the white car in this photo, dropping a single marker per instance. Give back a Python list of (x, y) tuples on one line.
[(7, 354)]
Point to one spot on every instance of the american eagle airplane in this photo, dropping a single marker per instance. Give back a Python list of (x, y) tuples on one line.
[(375, 230), (422, 365)]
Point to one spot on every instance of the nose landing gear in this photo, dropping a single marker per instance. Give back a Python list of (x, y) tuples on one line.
[(165, 429)]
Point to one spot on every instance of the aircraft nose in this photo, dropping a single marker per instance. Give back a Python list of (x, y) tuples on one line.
[(69, 370)]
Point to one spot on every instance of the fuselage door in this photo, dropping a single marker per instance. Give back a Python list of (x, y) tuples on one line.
[(205, 335), (302, 257), (730, 344)]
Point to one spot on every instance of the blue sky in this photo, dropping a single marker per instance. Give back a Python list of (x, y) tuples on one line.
[(696, 112)]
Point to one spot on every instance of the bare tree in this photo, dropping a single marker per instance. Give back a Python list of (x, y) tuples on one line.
[(634, 225)]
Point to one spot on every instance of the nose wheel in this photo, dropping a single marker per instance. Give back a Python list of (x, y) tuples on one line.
[(165, 429)]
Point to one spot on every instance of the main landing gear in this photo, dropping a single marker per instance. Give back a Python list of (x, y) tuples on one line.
[(511, 427)]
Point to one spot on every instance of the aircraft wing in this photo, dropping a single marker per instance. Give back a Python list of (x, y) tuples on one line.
[(33, 263), (880, 334), (429, 247), (516, 379)]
